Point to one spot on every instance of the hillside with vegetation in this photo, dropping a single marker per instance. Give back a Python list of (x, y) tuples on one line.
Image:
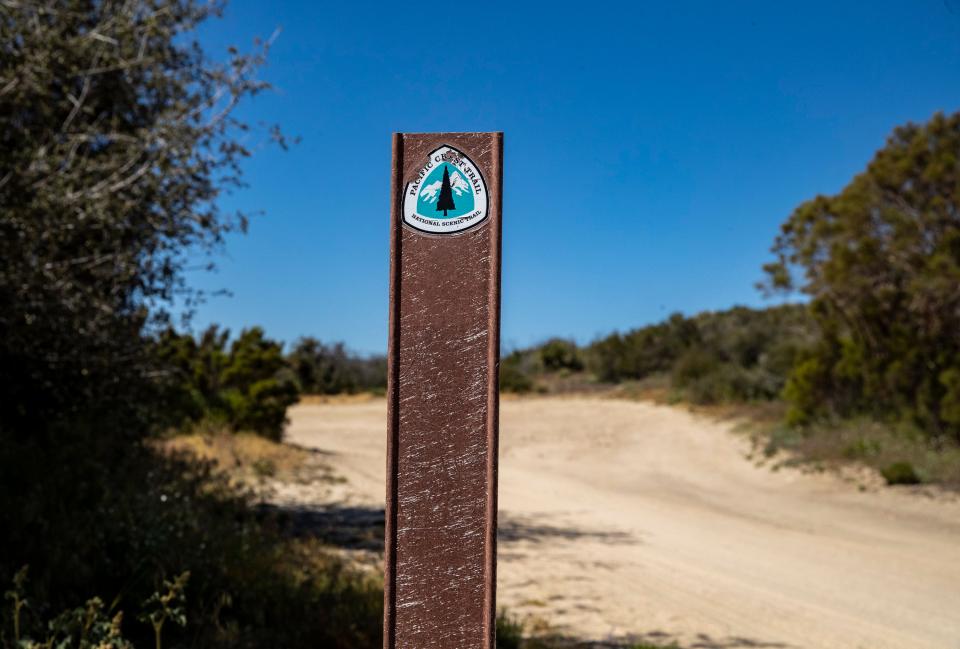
[(866, 368), (119, 136), (741, 354)]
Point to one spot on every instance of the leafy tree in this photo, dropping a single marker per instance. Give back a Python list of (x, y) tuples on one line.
[(881, 264), (331, 369), (117, 135)]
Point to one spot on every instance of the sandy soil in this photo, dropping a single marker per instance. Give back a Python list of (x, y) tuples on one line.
[(632, 520)]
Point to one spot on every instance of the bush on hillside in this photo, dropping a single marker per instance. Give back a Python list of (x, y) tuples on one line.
[(641, 352), (740, 354), (900, 473), (558, 354)]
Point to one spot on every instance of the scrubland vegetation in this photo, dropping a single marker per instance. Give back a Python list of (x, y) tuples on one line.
[(248, 383), (737, 355), (751, 363), (867, 366), (118, 137)]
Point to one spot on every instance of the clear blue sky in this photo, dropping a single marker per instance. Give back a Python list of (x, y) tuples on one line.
[(651, 149)]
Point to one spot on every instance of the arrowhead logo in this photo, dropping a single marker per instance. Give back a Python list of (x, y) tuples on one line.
[(448, 194)]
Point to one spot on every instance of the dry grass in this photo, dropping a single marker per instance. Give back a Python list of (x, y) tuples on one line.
[(658, 389), (748, 415), (250, 460), (565, 382), (858, 450), (654, 388), (360, 397), (870, 445)]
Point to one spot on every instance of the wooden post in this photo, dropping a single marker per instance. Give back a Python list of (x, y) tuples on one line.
[(444, 349)]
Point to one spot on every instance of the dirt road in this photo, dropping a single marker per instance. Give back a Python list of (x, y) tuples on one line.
[(623, 519)]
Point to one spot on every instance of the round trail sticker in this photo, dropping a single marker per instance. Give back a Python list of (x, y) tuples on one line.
[(447, 195)]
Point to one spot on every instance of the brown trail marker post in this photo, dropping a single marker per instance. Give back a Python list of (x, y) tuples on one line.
[(444, 350)]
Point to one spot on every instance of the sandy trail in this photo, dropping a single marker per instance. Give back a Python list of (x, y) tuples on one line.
[(623, 519)]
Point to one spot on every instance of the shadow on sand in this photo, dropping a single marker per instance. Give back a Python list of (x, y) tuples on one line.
[(361, 528), (670, 641), (527, 528), (352, 528)]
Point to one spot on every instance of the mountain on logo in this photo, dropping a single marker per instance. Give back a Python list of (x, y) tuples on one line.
[(460, 194), (458, 184)]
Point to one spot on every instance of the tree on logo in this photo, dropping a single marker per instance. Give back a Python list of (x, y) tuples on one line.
[(445, 202)]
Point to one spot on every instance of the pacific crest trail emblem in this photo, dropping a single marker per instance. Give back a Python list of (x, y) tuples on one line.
[(448, 194)]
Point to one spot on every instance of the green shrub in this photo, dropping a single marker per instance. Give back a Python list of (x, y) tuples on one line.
[(693, 365), (558, 354), (897, 450), (168, 606), (246, 385), (512, 379), (642, 352), (84, 627), (753, 349), (950, 405), (900, 473), (802, 392), (704, 378), (709, 389), (509, 631), (515, 373), (263, 409), (862, 448)]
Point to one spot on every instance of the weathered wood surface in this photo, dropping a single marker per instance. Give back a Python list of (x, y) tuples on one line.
[(443, 414)]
